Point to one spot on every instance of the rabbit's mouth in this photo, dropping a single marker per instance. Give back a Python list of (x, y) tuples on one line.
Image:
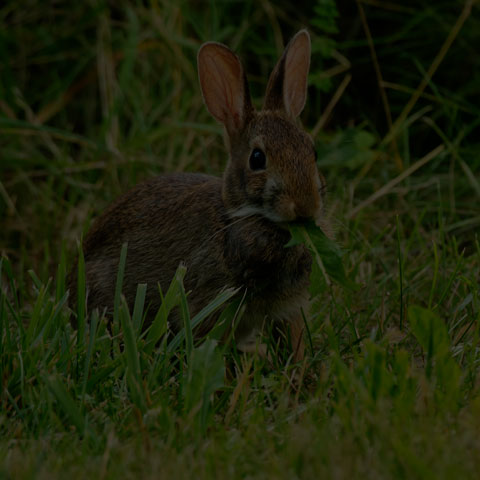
[(283, 221), (254, 210), (307, 222)]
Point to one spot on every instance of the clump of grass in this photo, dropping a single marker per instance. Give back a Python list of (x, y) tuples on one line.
[(371, 384)]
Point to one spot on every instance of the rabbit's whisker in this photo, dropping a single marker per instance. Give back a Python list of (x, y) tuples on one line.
[(228, 225), (246, 211)]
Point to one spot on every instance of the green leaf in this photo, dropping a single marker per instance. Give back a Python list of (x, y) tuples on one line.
[(364, 140), (351, 148), (326, 254)]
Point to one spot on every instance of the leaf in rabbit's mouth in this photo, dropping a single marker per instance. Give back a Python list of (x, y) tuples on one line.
[(326, 254)]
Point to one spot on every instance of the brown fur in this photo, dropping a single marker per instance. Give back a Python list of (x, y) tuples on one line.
[(228, 232)]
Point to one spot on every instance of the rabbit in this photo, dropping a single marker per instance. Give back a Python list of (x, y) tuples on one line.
[(229, 231)]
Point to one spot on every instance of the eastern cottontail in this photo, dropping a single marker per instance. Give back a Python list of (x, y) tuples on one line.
[(230, 231)]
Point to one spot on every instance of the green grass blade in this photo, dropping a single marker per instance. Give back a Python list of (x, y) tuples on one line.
[(137, 317), (129, 338), (400, 273), (218, 302), (37, 282), (41, 312), (205, 375), (105, 372), (187, 324), (134, 378), (66, 402), (170, 300), (45, 332), (88, 356), (14, 291), (81, 298), (118, 289), (227, 321), (435, 275), (19, 126), (61, 274)]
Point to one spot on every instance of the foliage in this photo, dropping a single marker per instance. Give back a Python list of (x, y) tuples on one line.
[(326, 255), (95, 97)]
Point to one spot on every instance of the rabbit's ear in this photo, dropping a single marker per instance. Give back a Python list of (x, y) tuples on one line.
[(287, 87), (224, 86)]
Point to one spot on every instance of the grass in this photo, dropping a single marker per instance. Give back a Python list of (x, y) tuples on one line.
[(96, 97)]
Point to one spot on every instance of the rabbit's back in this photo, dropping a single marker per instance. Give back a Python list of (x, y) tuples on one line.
[(171, 219)]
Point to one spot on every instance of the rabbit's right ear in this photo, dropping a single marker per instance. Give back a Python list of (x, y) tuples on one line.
[(224, 86), (287, 87)]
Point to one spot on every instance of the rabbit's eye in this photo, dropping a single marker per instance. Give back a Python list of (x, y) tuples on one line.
[(258, 161)]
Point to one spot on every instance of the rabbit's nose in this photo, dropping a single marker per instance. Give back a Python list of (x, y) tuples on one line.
[(306, 212), (303, 214)]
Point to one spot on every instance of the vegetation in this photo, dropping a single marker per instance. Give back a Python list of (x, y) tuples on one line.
[(95, 97)]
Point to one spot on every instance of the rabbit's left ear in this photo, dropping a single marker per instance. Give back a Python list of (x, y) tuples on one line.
[(287, 87), (224, 86)]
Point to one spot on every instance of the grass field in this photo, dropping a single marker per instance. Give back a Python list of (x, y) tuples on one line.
[(96, 96)]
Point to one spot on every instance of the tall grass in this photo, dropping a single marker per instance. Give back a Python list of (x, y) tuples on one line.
[(97, 96)]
